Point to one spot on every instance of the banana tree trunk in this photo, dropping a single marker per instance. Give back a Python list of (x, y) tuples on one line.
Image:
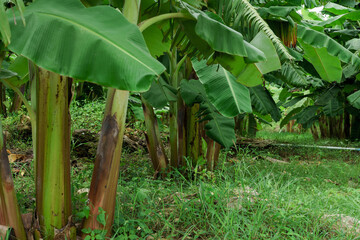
[(153, 140), (106, 170), (346, 125), (181, 124), (252, 126), (9, 210), (16, 103), (193, 137), (355, 128), (52, 150)]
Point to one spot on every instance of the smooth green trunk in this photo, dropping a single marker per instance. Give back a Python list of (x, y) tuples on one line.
[(52, 150)]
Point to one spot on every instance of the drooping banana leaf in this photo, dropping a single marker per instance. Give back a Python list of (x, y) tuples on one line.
[(220, 37), (228, 96), (328, 66), (353, 44), (293, 75), (240, 14), (264, 103), (333, 107), (320, 40), (20, 67), (160, 94), (336, 9), (307, 116), (155, 41), (6, 74), (339, 20), (354, 99), (252, 75), (328, 94), (218, 128), (96, 44), (290, 115)]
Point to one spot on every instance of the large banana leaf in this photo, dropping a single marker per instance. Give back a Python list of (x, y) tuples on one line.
[(354, 99), (218, 127), (328, 66), (157, 43), (253, 73), (307, 116), (221, 38), (96, 44), (264, 103), (320, 40), (293, 75), (333, 107), (228, 96)]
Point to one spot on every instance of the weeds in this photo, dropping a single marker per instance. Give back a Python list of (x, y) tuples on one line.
[(246, 197)]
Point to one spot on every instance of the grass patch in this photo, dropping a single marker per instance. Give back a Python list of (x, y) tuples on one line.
[(245, 198)]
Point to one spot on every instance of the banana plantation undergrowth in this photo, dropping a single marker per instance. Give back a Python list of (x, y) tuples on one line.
[(179, 119), (315, 194)]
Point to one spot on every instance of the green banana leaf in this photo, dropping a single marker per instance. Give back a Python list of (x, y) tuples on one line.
[(96, 44), (220, 37), (328, 66), (290, 115), (336, 9), (228, 96), (354, 99), (155, 40), (333, 107), (20, 67), (160, 94), (4, 25), (328, 94), (252, 75), (6, 74), (263, 102), (320, 40), (218, 127), (307, 116), (353, 44), (339, 20), (293, 75)]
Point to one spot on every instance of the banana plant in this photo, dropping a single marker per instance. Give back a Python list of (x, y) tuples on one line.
[(230, 68), (53, 50)]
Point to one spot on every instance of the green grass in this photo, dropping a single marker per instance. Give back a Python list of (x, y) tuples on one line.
[(269, 133), (246, 197), (290, 203)]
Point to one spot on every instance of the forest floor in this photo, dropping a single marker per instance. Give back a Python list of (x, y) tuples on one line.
[(307, 194)]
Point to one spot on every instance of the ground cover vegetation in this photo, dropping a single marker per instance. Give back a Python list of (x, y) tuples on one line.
[(186, 81)]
